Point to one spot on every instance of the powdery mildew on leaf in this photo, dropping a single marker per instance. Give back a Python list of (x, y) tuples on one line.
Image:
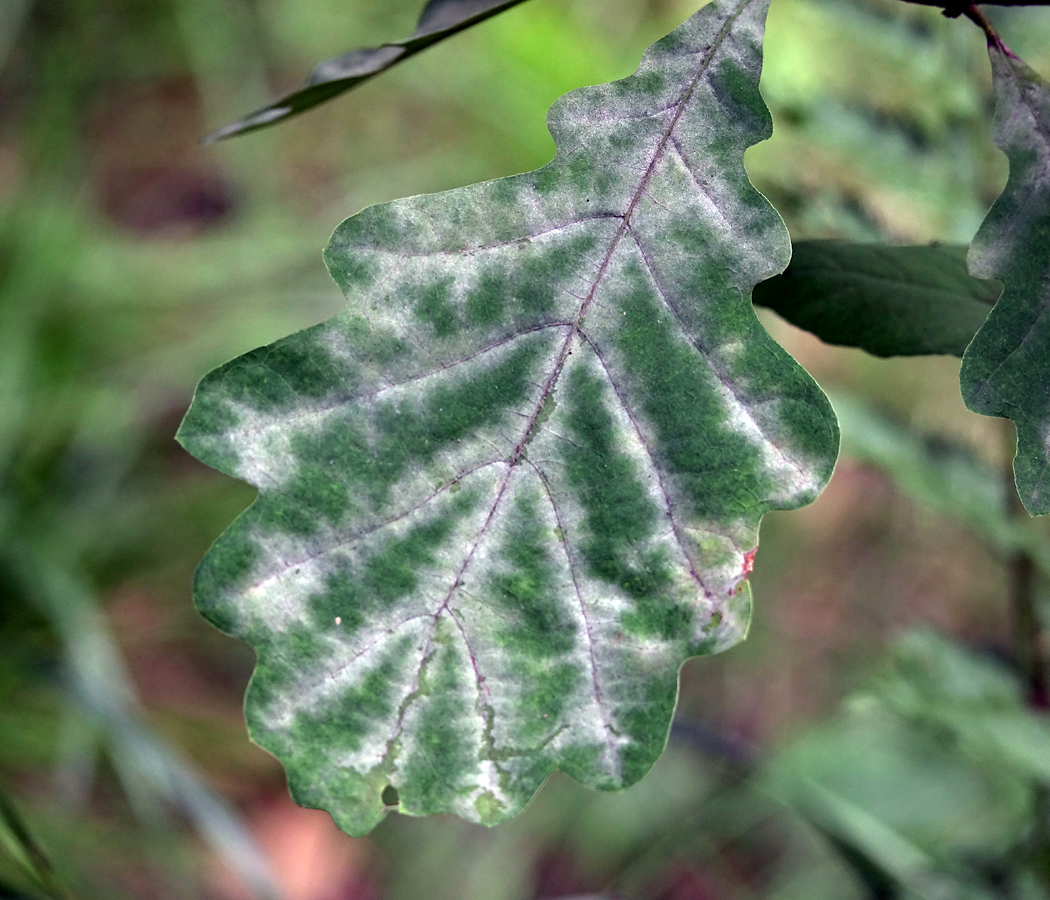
[(1005, 370), (518, 482)]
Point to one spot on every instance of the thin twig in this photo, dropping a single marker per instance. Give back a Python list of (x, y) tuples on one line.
[(954, 9), (981, 21)]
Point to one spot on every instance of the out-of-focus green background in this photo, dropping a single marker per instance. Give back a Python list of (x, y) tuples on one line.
[(870, 739)]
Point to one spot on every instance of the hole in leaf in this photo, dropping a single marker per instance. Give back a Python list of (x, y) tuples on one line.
[(390, 796)]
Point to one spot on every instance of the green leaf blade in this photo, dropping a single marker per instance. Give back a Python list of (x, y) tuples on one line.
[(888, 301), (1004, 372), (508, 492)]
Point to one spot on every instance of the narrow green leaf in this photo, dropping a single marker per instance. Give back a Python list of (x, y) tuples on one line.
[(876, 848), (440, 19), (1006, 370), (518, 482), (925, 774), (889, 301), (17, 838)]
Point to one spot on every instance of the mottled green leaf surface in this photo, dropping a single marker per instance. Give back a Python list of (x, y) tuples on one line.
[(440, 19), (518, 482), (1006, 370), (889, 301)]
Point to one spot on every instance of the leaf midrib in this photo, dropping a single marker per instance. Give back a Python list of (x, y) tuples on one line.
[(585, 305)]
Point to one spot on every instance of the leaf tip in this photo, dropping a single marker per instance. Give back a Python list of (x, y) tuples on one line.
[(252, 122)]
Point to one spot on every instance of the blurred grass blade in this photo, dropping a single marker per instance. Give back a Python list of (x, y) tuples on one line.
[(13, 14), (33, 224), (17, 838), (78, 741), (440, 19), (912, 809), (144, 763), (943, 477), (137, 749), (889, 301), (876, 850)]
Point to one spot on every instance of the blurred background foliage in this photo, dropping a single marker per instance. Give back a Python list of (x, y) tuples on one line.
[(872, 738)]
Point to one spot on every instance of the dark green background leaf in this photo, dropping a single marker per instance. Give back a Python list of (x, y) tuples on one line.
[(889, 301), (518, 482), (440, 19), (1006, 370)]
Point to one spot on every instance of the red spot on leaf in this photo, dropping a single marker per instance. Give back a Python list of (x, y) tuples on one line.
[(749, 562)]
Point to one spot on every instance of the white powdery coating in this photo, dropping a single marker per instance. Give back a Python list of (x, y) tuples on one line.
[(484, 777), (263, 443), (353, 657), (587, 720), (316, 691), (633, 443), (795, 478), (450, 245), (265, 439), (287, 574)]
